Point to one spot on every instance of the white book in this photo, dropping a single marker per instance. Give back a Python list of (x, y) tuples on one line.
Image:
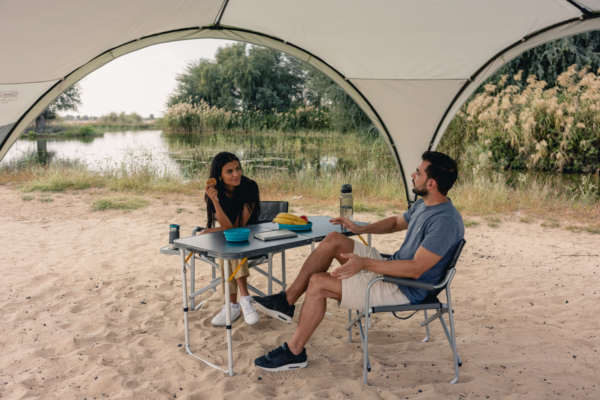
[(274, 235)]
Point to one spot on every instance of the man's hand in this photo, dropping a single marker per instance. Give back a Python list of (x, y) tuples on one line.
[(353, 266), (346, 223)]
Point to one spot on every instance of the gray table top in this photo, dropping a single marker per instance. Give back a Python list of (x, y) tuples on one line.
[(215, 245)]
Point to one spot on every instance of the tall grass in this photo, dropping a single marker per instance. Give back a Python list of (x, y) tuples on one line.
[(526, 126), (198, 118), (376, 188)]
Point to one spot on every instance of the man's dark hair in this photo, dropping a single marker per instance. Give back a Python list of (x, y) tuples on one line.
[(442, 169)]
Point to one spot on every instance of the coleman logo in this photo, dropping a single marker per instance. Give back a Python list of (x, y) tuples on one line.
[(9, 95)]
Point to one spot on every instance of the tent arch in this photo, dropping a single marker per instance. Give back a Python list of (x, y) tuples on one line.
[(205, 32)]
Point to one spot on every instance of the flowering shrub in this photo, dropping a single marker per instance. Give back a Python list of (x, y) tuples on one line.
[(529, 126)]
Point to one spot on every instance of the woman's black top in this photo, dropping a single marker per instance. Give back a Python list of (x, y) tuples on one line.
[(245, 193)]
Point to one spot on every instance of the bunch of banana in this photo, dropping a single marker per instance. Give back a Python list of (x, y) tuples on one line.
[(289, 219)]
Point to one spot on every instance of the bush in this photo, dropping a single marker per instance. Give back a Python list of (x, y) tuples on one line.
[(528, 126), (86, 130)]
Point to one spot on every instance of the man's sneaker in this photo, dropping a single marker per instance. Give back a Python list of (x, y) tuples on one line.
[(250, 315), (276, 306), (281, 359), (219, 319)]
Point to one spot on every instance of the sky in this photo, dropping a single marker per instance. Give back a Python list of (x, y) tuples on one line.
[(141, 81)]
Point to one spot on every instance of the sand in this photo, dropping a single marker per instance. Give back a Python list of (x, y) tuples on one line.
[(89, 309)]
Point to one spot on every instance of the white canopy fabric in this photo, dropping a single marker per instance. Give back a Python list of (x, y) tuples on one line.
[(409, 64)]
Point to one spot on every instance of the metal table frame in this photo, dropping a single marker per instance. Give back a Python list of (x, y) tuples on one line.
[(321, 227)]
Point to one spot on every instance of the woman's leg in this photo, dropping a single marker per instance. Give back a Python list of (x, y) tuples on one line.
[(241, 278)]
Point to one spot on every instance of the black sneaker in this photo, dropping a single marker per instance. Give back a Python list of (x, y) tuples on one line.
[(276, 306), (281, 359)]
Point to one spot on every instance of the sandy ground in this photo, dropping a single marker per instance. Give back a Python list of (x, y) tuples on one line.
[(90, 310)]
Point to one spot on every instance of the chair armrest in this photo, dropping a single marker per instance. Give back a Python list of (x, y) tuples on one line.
[(408, 282), (196, 230)]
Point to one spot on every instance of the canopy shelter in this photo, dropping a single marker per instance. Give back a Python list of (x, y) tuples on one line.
[(410, 65)]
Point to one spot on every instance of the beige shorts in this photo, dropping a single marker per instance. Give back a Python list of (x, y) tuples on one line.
[(354, 289), (233, 264)]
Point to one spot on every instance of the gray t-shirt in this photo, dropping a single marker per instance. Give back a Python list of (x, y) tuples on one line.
[(437, 228)]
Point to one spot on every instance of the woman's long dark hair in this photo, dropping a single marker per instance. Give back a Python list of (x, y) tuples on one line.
[(243, 191)]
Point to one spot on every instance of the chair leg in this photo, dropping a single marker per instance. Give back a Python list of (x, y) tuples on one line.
[(449, 338), (452, 335), (427, 328), (350, 330), (362, 337)]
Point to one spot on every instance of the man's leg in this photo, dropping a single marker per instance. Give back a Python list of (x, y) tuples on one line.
[(319, 261), (281, 306), (292, 355), (321, 287)]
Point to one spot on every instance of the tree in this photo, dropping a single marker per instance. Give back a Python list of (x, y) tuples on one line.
[(242, 78), (70, 99), (552, 59)]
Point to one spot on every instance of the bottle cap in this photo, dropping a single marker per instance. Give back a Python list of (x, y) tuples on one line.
[(346, 188), (174, 227)]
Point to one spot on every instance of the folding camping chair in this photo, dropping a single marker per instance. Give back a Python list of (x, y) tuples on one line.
[(431, 302), (269, 210)]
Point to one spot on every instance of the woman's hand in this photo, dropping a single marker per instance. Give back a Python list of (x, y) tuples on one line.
[(353, 266), (211, 230), (346, 223), (212, 193)]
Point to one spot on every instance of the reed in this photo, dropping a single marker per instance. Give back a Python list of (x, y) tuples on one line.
[(527, 126)]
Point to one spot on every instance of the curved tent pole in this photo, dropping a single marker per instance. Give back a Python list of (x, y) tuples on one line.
[(216, 31), (447, 117)]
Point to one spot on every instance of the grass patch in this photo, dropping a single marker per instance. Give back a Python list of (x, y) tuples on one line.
[(526, 220), (592, 229), (493, 222), (119, 203), (470, 223), (550, 223), (28, 198), (45, 199), (179, 210)]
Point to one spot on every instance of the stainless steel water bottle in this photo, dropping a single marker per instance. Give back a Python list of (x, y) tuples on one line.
[(346, 202), (173, 235)]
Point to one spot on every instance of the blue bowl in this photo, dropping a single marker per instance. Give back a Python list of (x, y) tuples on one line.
[(237, 234), (298, 228)]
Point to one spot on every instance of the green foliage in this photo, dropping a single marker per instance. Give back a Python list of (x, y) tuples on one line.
[(70, 99), (86, 130), (191, 118), (550, 60), (263, 89), (120, 119), (530, 126), (119, 203), (28, 198), (254, 78)]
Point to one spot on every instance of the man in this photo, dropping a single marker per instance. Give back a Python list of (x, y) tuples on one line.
[(435, 228)]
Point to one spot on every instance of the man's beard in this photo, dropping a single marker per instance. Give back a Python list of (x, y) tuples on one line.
[(423, 192)]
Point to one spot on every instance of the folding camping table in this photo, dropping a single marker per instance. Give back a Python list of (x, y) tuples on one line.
[(214, 245)]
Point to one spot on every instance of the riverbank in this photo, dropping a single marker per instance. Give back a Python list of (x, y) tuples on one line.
[(99, 313)]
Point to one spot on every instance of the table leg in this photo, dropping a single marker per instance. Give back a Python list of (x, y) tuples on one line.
[(228, 319), (214, 275), (185, 302), (270, 275), (369, 240), (283, 285), (192, 278), (312, 246)]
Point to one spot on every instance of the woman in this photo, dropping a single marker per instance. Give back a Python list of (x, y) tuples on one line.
[(234, 202)]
